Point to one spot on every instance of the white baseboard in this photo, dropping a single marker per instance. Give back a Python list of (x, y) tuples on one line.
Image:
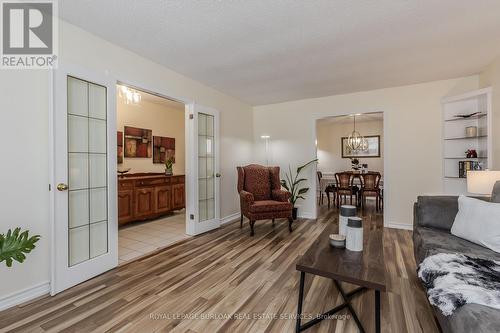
[(230, 218), (395, 225), (24, 295), (306, 215)]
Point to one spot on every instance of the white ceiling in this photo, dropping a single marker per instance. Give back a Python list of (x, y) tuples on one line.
[(264, 51)]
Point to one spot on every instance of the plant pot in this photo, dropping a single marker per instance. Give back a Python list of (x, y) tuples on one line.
[(294, 213), (168, 172)]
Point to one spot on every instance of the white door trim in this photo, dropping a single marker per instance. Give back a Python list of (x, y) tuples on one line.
[(110, 259), (315, 165)]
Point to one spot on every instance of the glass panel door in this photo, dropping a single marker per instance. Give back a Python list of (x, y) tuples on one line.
[(87, 171), (202, 175), (206, 163), (84, 183)]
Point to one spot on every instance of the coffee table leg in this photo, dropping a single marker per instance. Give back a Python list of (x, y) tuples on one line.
[(301, 297), (377, 311)]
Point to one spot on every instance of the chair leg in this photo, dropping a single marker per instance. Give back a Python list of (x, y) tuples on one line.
[(273, 222), (252, 223), (350, 198), (241, 221), (290, 221)]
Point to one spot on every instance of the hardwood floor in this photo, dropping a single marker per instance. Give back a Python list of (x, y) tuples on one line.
[(226, 273)]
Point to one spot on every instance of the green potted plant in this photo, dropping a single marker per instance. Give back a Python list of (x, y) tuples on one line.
[(292, 184), (14, 245), (169, 164)]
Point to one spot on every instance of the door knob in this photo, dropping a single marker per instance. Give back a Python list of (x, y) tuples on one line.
[(62, 187), (217, 175)]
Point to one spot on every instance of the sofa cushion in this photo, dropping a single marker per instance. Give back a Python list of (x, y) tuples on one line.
[(479, 222), (264, 206), (436, 211), (495, 194), (474, 318), (427, 241), (470, 317), (258, 182)]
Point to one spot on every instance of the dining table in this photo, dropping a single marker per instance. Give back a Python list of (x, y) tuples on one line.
[(329, 179)]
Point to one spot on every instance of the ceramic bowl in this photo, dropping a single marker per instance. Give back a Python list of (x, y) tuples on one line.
[(337, 240)]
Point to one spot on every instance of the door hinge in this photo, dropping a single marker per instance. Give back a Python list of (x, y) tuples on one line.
[(191, 216), (50, 187), (191, 116)]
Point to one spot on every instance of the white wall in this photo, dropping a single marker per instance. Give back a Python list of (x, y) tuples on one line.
[(412, 127), (24, 172), (490, 77), (24, 115), (163, 121), (329, 149)]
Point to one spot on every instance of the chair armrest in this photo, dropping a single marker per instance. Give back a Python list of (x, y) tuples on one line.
[(246, 197), (280, 195)]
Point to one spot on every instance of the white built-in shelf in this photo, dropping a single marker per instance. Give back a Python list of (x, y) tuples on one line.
[(466, 158), (479, 116), (467, 137), (455, 142)]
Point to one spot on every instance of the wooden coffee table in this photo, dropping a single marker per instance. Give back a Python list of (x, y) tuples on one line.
[(365, 269)]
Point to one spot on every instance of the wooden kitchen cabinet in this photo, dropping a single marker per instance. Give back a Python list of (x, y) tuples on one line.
[(163, 199), (125, 206), (144, 202), (178, 195), (148, 195)]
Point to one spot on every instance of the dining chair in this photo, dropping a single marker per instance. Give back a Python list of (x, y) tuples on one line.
[(370, 187), (345, 187), (320, 187)]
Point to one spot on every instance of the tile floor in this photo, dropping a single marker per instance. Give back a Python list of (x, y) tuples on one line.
[(140, 238)]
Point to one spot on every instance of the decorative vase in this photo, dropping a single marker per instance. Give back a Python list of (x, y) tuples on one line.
[(471, 131), (354, 237), (346, 211), (471, 153), (168, 172), (294, 213)]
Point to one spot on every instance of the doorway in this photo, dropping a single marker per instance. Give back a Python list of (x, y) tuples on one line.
[(151, 163), (350, 169), (84, 181)]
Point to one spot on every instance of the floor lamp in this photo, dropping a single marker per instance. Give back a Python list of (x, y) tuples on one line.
[(266, 138)]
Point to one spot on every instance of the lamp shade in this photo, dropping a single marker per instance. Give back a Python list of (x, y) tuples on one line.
[(481, 182)]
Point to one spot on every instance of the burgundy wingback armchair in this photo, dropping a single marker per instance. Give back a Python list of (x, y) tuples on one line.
[(261, 197)]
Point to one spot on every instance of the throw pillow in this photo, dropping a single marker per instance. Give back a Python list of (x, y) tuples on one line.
[(478, 221)]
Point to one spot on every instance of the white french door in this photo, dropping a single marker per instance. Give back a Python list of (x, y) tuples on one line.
[(85, 241), (203, 177)]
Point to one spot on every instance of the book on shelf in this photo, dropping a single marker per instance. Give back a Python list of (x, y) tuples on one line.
[(464, 166)]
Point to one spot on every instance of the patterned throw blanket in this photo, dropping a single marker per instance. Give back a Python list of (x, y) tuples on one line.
[(453, 280)]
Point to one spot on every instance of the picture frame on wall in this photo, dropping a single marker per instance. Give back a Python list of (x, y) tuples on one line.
[(119, 150), (138, 142), (163, 149), (373, 149)]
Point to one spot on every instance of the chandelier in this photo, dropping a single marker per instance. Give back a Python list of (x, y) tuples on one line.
[(355, 141), (131, 96)]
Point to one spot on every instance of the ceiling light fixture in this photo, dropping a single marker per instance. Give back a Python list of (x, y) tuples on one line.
[(355, 141), (131, 96)]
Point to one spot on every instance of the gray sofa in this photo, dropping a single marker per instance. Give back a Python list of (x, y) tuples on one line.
[(433, 218)]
